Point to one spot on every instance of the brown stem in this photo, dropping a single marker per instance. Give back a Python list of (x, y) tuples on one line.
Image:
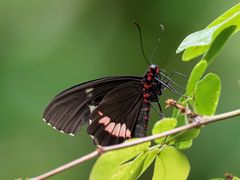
[(199, 121)]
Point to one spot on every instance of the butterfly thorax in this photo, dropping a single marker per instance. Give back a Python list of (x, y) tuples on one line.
[(151, 87)]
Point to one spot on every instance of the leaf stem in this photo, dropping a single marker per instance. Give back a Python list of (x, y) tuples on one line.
[(199, 121)]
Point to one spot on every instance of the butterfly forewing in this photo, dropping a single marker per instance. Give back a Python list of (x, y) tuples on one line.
[(69, 110)]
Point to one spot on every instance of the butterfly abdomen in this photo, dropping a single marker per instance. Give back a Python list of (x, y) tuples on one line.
[(149, 95)]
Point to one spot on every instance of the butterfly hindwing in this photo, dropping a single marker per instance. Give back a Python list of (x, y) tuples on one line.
[(70, 109), (115, 117)]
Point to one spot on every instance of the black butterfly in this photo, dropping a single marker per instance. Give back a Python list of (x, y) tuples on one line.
[(115, 108)]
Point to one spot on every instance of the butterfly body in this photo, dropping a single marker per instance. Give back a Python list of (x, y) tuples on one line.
[(115, 108)]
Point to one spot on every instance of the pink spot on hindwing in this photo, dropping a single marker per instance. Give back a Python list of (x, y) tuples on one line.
[(110, 127), (128, 133), (116, 130), (100, 113), (105, 120), (123, 131)]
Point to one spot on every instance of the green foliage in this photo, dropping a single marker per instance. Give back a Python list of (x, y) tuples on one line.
[(171, 164), (206, 94), (163, 125), (219, 43), (108, 164), (184, 136), (131, 169), (199, 42), (195, 75), (152, 153), (201, 97), (232, 178)]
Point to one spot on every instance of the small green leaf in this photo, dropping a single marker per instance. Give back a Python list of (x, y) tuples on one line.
[(229, 13), (184, 135), (196, 43), (162, 126), (171, 164), (216, 179), (199, 42), (109, 162), (184, 144), (218, 43), (149, 159), (195, 75), (235, 178), (130, 170), (207, 94)]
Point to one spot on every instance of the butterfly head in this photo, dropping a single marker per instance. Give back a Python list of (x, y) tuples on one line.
[(154, 69)]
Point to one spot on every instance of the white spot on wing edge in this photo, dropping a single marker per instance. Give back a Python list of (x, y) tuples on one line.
[(88, 90), (71, 134), (90, 121), (91, 107)]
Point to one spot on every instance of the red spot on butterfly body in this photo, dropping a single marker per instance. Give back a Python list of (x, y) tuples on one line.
[(147, 86)]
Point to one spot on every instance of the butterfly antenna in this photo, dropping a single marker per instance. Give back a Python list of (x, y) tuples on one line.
[(158, 42), (141, 41)]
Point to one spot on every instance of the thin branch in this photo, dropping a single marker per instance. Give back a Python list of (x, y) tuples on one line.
[(199, 121)]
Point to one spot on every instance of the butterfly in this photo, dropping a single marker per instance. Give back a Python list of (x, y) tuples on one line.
[(114, 108)]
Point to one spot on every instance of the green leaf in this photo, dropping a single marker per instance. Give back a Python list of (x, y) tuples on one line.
[(130, 170), (184, 144), (162, 126), (199, 42), (216, 179), (171, 164), (183, 140), (207, 94), (218, 43), (109, 162), (149, 159), (231, 12), (195, 75), (235, 178), (184, 135)]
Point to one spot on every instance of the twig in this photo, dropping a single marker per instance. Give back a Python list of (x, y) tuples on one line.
[(183, 109), (100, 150)]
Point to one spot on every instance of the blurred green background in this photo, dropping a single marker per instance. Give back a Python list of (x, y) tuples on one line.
[(47, 46)]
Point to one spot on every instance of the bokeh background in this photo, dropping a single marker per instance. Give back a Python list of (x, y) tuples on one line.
[(47, 46)]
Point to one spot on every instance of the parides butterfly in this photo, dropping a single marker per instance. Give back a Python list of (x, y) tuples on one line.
[(115, 108)]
